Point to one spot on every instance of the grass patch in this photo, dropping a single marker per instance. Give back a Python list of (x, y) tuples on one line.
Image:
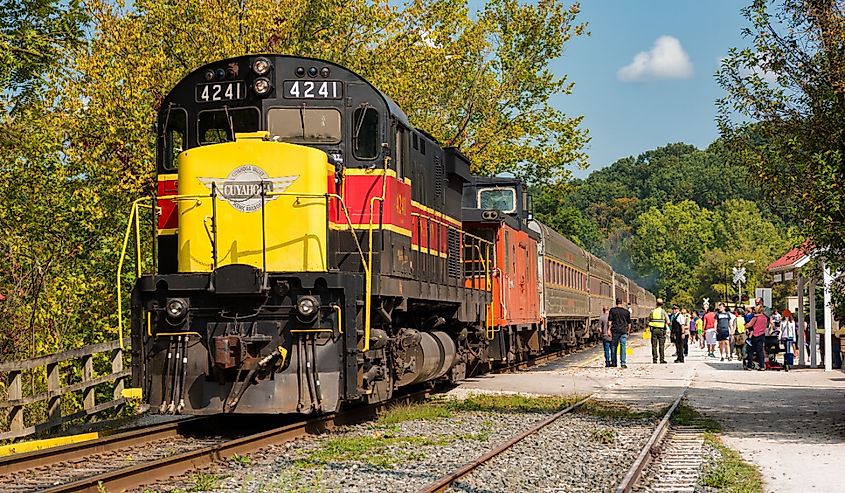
[(731, 474), (604, 436), (616, 410), (687, 416), (511, 403), (204, 481), (427, 411), (379, 449), (243, 460)]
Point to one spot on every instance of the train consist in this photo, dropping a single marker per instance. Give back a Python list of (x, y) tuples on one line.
[(313, 249)]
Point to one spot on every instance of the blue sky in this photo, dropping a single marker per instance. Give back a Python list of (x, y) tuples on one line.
[(664, 98)]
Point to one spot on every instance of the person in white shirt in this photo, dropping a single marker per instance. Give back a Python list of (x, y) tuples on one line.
[(679, 323), (788, 335)]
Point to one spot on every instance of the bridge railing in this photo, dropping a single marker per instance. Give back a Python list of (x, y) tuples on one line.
[(15, 403)]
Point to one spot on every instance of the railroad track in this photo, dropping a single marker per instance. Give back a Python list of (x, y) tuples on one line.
[(670, 461), (132, 459), (446, 481)]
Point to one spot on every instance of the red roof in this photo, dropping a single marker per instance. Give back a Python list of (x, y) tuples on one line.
[(2, 297), (793, 259)]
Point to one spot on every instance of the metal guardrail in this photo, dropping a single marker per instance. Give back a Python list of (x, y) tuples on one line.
[(15, 401)]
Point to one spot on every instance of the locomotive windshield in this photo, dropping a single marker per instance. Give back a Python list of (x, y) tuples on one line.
[(305, 125), (503, 199), (221, 125)]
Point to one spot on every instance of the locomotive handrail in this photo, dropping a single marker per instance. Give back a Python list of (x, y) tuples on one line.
[(133, 219), (368, 267)]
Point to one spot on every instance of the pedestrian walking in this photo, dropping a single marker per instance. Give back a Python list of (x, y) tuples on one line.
[(686, 331), (658, 322), (620, 327), (757, 328), (606, 336), (738, 327), (788, 335), (693, 332), (723, 332), (679, 326), (710, 332), (699, 329)]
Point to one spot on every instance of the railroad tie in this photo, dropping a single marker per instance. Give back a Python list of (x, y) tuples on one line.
[(677, 466)]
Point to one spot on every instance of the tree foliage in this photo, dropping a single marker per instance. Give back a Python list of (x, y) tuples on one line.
[(33, 34), (675, 219), (77, 151), (783, 113)]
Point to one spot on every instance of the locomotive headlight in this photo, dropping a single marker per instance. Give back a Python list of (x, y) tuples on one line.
[(209, 75), (307, 306), (176, 308), (262, 86), (261, 66), (490, 215)]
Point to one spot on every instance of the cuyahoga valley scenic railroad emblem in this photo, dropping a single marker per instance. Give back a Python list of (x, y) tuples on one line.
[(242, 188)]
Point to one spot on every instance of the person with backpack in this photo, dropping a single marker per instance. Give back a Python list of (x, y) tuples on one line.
[(723, 332), (658, 322)]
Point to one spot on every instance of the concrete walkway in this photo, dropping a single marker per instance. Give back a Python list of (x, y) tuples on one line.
[(790, 424)]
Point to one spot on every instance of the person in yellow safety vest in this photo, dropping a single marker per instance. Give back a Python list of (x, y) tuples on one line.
[(658, 322), (739, 338)]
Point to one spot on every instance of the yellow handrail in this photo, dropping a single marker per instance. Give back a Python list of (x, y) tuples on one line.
[(368, 268), (133, 219)]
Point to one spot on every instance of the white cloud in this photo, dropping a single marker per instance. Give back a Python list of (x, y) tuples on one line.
[(666, 60)]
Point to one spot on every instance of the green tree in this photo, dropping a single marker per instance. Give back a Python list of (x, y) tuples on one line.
[(784, 109), (669, 242), (77, 152), (33, 35)]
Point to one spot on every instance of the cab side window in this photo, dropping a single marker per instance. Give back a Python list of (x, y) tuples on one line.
[(174, 138), (365, 133)]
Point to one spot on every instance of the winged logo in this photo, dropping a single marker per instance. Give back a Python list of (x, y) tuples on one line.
[(242, 188)]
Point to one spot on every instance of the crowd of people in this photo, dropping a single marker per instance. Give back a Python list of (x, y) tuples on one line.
[(739, 333)]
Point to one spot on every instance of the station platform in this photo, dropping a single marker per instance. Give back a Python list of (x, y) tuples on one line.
[(791, 425)]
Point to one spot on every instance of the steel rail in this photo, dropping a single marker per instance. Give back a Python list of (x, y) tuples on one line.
[(140, 474), (649, 450), (37, 458), (445, 482)]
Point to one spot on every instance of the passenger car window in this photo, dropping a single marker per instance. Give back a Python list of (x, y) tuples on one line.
[(216, 126), (305, 125)]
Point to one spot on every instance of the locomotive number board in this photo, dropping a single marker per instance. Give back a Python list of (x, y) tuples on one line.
[(312, 89), (220, 91)]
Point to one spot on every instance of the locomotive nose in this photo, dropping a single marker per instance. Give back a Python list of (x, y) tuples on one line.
[(234, 194)]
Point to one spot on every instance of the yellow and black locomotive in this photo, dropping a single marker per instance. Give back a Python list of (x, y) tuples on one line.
[(309, 248), (313, 248)]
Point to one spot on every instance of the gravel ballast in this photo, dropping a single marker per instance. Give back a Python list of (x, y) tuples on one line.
[(576, 453)]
